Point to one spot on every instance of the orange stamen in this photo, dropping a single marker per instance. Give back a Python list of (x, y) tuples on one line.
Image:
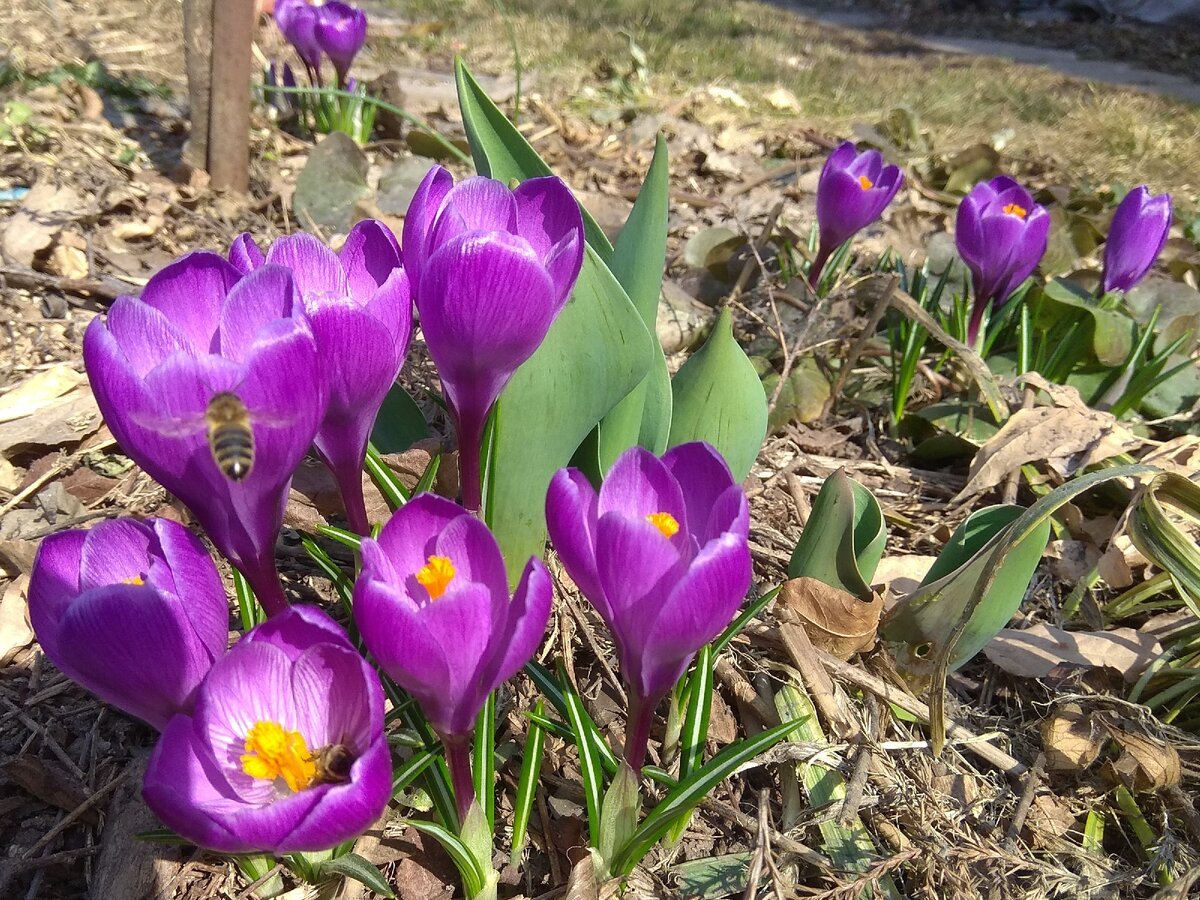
[(664, 522), (435, 576), (865, 183), (1014, 209), (273, 753)]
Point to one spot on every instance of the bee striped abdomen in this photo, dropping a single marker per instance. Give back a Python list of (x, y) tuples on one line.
[(230, 438)]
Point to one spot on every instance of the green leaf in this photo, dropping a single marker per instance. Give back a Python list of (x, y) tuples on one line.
[(411, 769), (843, 541), (354, 866), (1112, 333), (473, 878), (618, 816), (923, 620), (388, 482), (713, 877), (681, 799), (400, 422), (1162, 541), (597, 351), (341, 582), (501, 152), (591, 771), (341, 535), (485, 760), (531, 768), (644, 416), (694, 733), (718, 398), (742, 620), (249, 610), (551, 690)]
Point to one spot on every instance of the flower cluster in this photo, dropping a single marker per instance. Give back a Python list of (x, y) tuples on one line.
[(218, 379), (335, 30)]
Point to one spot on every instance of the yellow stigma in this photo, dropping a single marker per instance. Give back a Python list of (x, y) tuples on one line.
[(136, 579), (865, 183), (664, 522), (1014, 209), (273, 753), (435, 576)]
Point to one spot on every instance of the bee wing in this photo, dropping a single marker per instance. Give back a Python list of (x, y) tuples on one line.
[(269, 421), (171, 426)]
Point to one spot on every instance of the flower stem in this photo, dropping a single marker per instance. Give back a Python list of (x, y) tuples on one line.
[(264, 582), (458, 758), (818, 266), (637, 731), (470, 424), (349, 482)]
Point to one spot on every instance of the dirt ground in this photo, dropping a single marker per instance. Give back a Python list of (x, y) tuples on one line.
[(104, 143)]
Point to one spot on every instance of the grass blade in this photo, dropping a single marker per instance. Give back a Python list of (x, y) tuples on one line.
[(467, 867), (485, 760), (591, 771), (531, 768)]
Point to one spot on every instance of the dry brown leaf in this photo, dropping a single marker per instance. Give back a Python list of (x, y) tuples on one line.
[(1071, 560), (67, 262), (50, 783), (39, 390), (1181, 454), (1035, 652), (1071, 739), (1067, 438), (782, 99), (1114, 569), (1146, 763), (836, 621), (67, 420), (44, 212), (898, 576), (15, 632), (10, 476)]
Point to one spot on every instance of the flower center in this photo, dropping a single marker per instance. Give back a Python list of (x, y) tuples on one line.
[(435, 576), (865, 183), (1014, 209), (273, 753), (136, 580), (664, 522)]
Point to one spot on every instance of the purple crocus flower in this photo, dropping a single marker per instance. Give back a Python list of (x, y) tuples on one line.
[(853, 191), (433, 607), (360, 310), (1001, 235), (133, 611), (297, 20), (341, 31), (1139, 229), (491, 268), (209, 382), (285, 751), (662, 554)]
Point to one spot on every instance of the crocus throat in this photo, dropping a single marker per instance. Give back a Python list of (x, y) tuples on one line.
[(1014, 209), (435, 576), (664, 522), (865, 183), (136, 579), (273, 753)]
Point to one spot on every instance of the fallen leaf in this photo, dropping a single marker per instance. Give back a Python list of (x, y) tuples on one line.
[(15, 632), (1035, 652), (45, 211), (1114, 569), (897, 576), (1146, 764), (1071, 560), (1067, 438), (1072, 739), (67, 420), (39, 390), (836, 621), (51, 784), (68, 262), (1180, 454)]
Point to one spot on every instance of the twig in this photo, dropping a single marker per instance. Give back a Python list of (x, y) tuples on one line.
[(851, 360), (868, 682), (820, 687), (105, 288), (1032, 780), (74, 814), (756, 246), (743, 690), (856, 785)]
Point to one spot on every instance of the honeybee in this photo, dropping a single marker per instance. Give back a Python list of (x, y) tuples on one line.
[(229, 436), (333, 764)]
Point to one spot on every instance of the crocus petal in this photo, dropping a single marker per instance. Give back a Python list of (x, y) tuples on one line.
[(197, 581), (340, 31), (638, 485), (261, 299), (145, 335), (244, 254), (1136, 237), (634, 561), (369, 257), (527, 617), (495, 306), (350, 715), (133, 647), (53, 584), (704, 471), (406, 541), (549, 218), (315, 268), (297, 628), (475, 204), (114, 552), (190, 292), (418, 222), (571, 504)]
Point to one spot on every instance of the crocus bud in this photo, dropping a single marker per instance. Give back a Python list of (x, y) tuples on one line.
[(133, 611), (1139, 229), (285, 751), (433, 607), (853, 191), (209, 382), (297, 20), (1001, 235), (662, 554), (341, 31), (490, 270), (360, 310)]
